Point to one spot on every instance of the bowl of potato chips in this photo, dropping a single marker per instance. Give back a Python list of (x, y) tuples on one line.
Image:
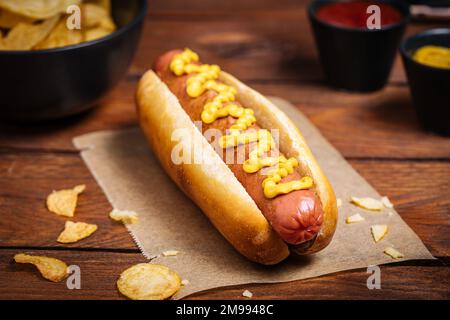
[(59, 57)]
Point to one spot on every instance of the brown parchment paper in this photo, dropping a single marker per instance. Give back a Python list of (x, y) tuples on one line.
[(132, 179)]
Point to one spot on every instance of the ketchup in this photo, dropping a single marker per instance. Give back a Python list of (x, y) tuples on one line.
[(353, 13)]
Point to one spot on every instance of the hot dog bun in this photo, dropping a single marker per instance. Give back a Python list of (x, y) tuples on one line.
[(213, 187)]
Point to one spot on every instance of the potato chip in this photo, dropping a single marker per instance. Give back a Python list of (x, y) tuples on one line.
[(124, 216), (61, 36), (20, 20), (38, 9), (368, 203), (170, 253), (379, 231), (393, 253), (64, 202), (51, 269), (185, 282), (95, 16), (9, 20), (354, 219), (76, 231), (105, 4), (24, 36), (387, 203), (147, 281)]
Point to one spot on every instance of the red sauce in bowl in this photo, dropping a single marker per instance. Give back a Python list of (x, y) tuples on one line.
[(353, 14)]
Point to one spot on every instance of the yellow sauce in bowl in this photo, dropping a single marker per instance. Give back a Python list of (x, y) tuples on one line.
[(433, 56)]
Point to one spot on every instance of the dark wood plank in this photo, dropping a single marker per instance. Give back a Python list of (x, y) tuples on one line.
[(420, 191), (265, 40), (381, 124), (99, 276)]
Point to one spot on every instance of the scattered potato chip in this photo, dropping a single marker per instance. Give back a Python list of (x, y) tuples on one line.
[(379, 231), (61, 36), (105, 4), (170, 253), (38, 9), (386, 202), (393, 253), (24, 36), (354, 219), (42, 24), (124, 216), (247, 294), (185, 282), (339, 202), (147, 281), (76, 231), (97, 21), (368, 203), (50, 268), (9, 20), (64, 202)]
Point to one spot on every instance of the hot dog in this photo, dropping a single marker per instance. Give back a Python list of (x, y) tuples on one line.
[(293, 206)]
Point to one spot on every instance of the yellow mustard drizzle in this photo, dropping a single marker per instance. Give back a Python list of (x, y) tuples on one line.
[(221, 106)]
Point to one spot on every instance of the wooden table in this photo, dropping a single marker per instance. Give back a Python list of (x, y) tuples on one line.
[(269, 45)]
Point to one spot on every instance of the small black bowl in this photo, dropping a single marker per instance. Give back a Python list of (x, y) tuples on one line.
[(55, 83), (357, 59), (429, 86)]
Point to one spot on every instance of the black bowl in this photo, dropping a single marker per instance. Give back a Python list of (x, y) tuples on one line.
[(430, 87), (55, 83), (357, 59)]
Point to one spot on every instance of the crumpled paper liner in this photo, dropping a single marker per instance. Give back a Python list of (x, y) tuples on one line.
[(132, 179)]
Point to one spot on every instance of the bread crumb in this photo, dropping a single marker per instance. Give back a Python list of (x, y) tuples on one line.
[(170, 253), (379, 231), (247, 294), (354, 219)]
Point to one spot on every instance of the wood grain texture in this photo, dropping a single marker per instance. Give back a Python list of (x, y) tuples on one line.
[(276, 45), (269, 45), (419, 190), (99, 276)]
